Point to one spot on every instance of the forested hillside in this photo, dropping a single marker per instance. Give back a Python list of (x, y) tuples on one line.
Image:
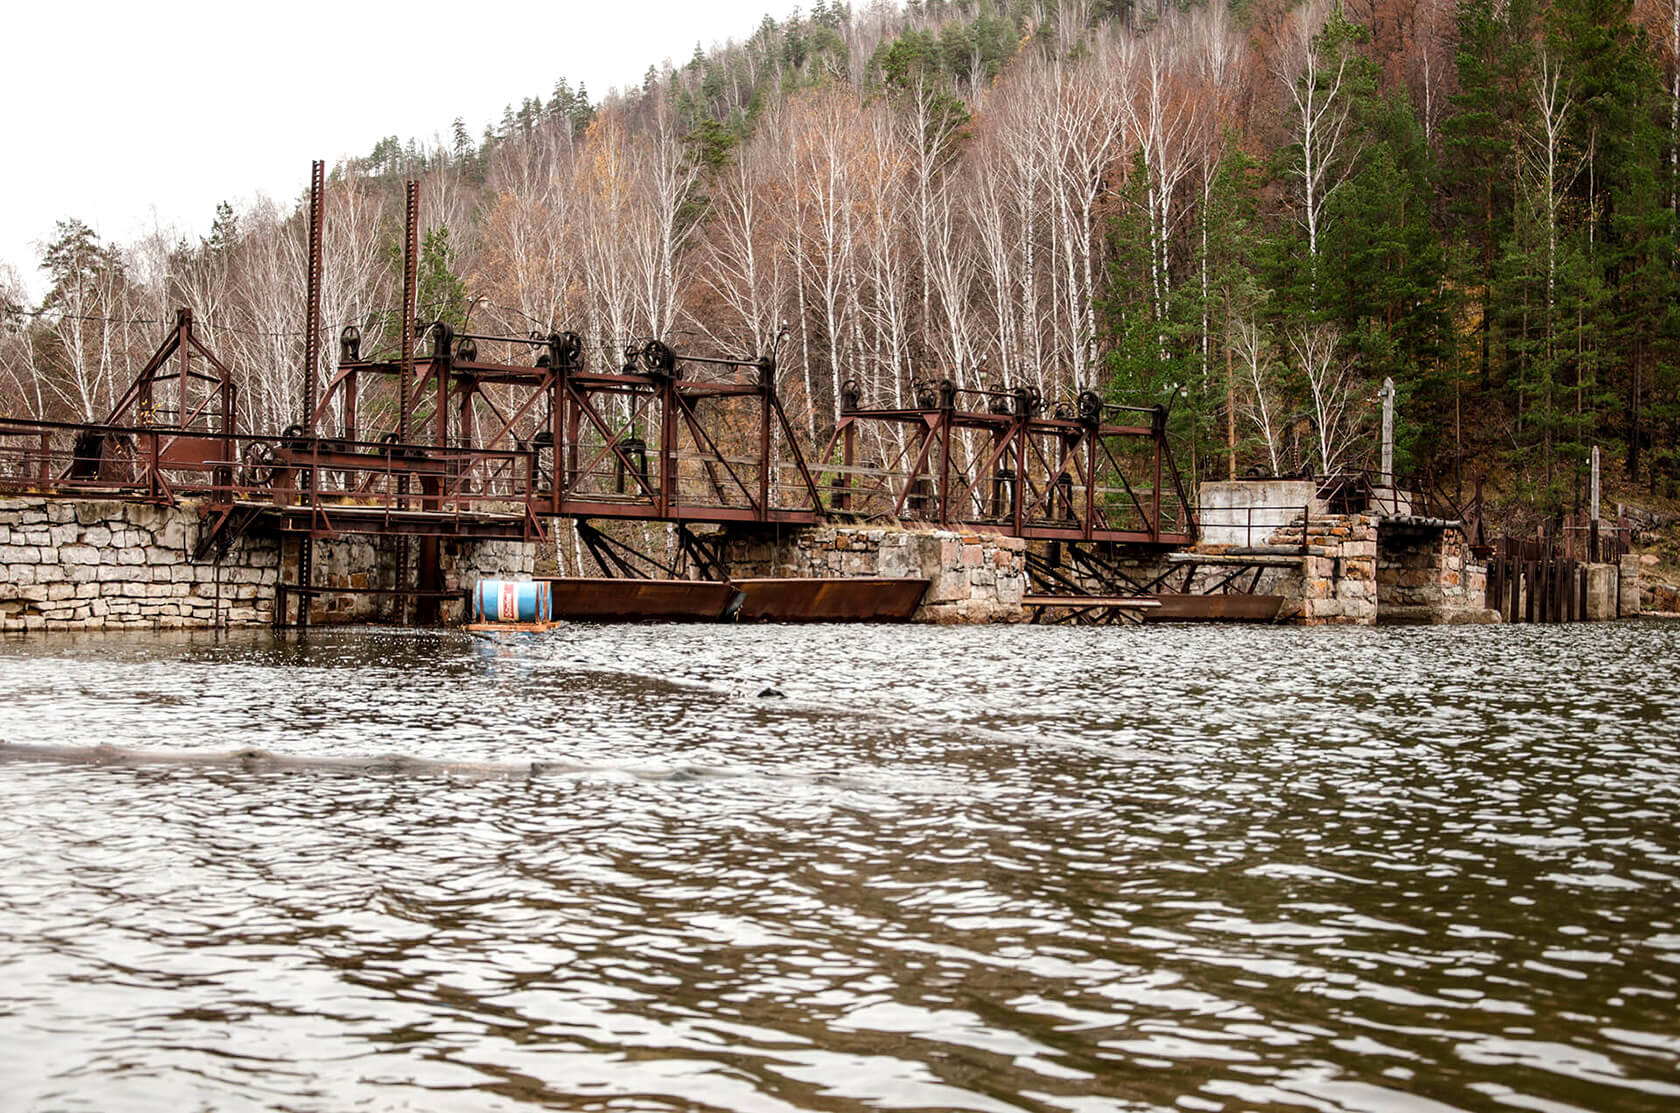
[(1253, 212)]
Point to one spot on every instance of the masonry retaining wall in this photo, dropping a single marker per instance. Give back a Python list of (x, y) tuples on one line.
[(972, 577), (99, 564), (1338, 580), (1427, 575)]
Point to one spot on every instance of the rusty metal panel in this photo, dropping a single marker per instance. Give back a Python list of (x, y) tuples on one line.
[(830, 600), (1215, 608), (604, 599)]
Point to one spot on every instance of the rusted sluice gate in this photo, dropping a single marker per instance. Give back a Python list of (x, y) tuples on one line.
[(1548, 579), (494, 437), (993, 459)]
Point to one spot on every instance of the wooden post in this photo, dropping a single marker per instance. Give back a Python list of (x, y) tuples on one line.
[(1230, 410), (1592, 524), (1387, 396), (1594, 503)]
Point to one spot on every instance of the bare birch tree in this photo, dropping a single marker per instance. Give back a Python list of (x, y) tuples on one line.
[(1264, 402), (1332, 392), (738, 259), (825, 126), (1318, 118), (664, 182), (531, 259)]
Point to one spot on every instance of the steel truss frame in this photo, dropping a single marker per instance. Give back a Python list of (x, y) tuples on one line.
[(987, 459)]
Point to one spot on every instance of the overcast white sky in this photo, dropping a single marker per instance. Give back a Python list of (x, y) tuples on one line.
[(142, 114)]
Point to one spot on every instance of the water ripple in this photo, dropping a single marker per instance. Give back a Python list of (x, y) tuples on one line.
[(1201, 869)]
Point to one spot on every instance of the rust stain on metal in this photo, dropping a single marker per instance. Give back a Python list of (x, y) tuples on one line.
[(830, 600), (1235, 607), (524, 430), (994, 458), (605, 599)]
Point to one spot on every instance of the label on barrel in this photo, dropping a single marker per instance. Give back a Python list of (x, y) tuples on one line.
[(507, 604)]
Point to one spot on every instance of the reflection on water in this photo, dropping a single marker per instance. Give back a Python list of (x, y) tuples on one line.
[(1202, 869)]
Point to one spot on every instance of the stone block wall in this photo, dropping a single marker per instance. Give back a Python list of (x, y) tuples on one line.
[(972, 577), (346, 564), (95, 564), (980, 578), (466, 562), (1426, 574), (1338, 580)]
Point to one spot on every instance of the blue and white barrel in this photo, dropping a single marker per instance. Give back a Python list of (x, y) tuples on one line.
[(513, 601)]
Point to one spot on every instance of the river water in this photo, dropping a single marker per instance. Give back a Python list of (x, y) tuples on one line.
[(944, 869)]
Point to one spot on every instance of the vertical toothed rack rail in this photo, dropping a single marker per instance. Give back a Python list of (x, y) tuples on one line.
[(410, 296), (311, 359)]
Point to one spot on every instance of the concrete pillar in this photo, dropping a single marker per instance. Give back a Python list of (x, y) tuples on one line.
[(1387, 396), (1601, 592), (1628, 587), (1594, 501)]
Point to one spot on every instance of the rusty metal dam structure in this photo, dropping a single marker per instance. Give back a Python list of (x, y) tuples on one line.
[(485, 437), (408, 474)]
